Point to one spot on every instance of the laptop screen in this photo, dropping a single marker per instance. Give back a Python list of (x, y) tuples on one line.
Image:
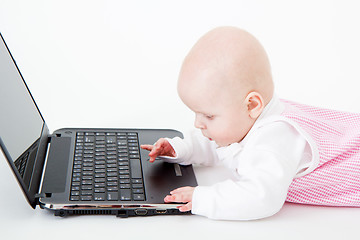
[(20, 121)]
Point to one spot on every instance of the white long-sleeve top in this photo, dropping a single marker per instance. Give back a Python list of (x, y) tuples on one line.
[(264, 163)]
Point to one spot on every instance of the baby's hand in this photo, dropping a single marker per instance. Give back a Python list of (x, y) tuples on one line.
[(161, 148), (184, 195)]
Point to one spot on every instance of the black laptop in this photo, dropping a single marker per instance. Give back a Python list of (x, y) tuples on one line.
[(82, 171)]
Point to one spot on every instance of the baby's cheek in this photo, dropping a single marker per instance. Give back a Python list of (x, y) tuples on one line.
[(222, 139), (229, 137)]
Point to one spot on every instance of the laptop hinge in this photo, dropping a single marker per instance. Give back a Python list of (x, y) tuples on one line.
[(39, 195)]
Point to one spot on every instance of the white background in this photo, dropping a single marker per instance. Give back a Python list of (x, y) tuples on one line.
[(115, 64)]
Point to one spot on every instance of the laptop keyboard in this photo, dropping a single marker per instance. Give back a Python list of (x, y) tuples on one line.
[(107, 167), (21, 164)]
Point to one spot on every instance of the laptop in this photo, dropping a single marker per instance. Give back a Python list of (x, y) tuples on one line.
[(75, 171)]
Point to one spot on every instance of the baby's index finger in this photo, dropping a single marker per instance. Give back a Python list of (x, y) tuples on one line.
[(147, 147)]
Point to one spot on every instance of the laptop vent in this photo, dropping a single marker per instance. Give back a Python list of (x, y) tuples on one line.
[(91, 212)]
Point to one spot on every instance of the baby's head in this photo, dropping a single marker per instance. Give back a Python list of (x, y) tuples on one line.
[(226, 80)]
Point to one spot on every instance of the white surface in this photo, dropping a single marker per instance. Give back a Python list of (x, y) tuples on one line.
[(122, 57)]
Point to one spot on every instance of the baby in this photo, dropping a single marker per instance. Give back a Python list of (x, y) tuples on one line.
[(278, 150)]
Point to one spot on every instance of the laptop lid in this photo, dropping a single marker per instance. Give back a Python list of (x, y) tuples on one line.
[(23, 132)]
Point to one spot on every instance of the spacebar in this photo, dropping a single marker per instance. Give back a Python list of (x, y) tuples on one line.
[(135, 168)]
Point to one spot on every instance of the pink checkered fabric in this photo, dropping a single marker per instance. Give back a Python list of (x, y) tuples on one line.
[(336, 180)]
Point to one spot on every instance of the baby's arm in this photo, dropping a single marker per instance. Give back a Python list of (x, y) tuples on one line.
[(194, 148), (265, 167)]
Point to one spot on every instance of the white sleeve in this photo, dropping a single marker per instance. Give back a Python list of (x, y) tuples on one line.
[(193, 149), (265, 165)]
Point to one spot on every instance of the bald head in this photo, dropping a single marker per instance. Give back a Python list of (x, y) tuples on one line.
[(230, 60)]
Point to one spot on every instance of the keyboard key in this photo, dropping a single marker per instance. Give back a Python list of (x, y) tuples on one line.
[(99, 149), (99, 180), (135, 168), (125, 185), (99, 175), (76, 179), (112, 174), (87, 187), (124, 172), (112, 189), (124, 181), (87, 177), (99, 190), (139, 197), (137, 191), (99, 185), (87, 182), (86, 192), (125, 194), (113, 196), (75, 193), (136, 180), (111, 179), (99, 196), (124, 176), (137, 186), (86, 198), (110, 139), (122, 142), (112, 184), (100, 162), (100, 138)]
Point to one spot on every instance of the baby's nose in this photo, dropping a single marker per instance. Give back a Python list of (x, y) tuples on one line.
[(199, 124)]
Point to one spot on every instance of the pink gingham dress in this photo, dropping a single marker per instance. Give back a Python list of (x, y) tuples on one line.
[(336, 179)]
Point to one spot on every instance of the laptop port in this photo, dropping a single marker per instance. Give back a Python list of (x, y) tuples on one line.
[(161, 211), (141, 212)]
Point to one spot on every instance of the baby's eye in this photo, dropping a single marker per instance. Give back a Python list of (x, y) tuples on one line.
[(209, 117)]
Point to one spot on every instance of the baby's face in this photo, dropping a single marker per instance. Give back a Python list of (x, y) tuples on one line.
[(223, 123), (221, 117)]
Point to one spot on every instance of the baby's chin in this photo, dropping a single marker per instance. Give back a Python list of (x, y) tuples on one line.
[(221, 144)]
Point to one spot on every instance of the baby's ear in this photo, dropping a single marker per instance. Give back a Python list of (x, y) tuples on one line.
[(255, 104)]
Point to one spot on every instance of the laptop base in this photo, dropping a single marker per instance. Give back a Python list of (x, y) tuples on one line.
[(119, 213)]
